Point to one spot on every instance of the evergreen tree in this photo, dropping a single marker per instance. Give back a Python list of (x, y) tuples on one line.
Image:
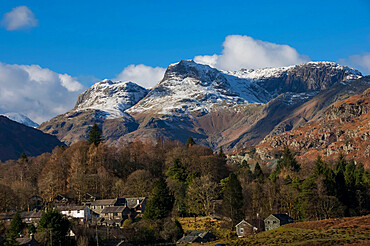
[(258, 174), (232, 201), (190, 142), (221, 153), (160, 202), (15, 229), (23, 159), (55, 226), (95, 135), (288, 161)]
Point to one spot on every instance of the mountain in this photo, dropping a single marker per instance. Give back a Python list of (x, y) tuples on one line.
[(103, 103), (16, 138), (217, 108), (21, 118), (343, 127)]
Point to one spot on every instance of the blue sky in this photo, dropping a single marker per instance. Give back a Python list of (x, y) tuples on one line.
[(100, 38), (67, 45)]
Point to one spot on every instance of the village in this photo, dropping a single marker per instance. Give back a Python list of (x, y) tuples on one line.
[(109, 215)]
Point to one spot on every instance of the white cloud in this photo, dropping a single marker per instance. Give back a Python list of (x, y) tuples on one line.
[(20, 17), (143, 75), (36, 92), (361, 62), (246, 52)]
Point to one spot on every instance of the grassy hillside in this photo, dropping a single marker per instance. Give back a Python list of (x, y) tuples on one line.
[(343, 231)]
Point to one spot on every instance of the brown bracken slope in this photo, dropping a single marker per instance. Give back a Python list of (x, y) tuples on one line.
[(344, 127)]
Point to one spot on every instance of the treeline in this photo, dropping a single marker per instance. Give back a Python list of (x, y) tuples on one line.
[(198, 181)]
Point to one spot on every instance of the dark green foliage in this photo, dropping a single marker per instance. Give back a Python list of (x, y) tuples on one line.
[(232, 201), (190, 142), (55, 226), (95, 135), (177, 172), (31, 229), (258, 174), (287, 161), (15, 229), (160, 201)]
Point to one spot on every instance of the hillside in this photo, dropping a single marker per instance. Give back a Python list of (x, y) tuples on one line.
[(339, 231), (16, 138), (343, 127)]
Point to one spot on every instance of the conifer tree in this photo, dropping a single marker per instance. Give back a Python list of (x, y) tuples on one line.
[(232, 201), (95, 135), (16, 227), (160, 202), (258, 174), (190, 142)]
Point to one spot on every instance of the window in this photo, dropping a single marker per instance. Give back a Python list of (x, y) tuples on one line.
[(241, 230)]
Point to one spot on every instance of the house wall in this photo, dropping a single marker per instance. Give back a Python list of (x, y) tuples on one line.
[(271, 223), (244, 230)]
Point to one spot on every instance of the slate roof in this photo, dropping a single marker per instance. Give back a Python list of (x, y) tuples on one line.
[(193, 236), (104, 202), (114, 209), (282, 217), (31, 214), (133, 202)]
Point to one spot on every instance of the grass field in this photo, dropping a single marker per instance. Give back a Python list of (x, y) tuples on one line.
[(343, 231)]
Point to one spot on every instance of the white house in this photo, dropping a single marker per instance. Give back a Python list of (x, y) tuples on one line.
[(82, 213)]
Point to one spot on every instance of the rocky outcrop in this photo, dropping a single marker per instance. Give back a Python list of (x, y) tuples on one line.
[(344, 127)]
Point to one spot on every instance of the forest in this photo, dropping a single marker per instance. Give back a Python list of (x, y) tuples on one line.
[(183, 180)]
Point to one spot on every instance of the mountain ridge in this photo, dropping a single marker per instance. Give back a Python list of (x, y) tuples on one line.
[(217, 108)]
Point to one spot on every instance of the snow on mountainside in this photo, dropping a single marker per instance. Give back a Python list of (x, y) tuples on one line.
[(217, 108), (21, 118), (191, 87), (113, 98), (266, 73)]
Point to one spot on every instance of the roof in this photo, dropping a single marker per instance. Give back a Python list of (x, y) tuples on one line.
[(31, 214), (114, 209), (69, 208), (281, 217), (4, 216), (104, 202), (243, 222), (27, 241), (192, 236), (133, 202)]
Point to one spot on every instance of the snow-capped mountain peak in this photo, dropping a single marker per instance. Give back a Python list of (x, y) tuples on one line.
[(21, 118), (111, 97)]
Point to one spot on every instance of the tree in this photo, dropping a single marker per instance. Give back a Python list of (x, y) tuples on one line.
[(160, 202), (95, 135), (190, 142), (200, 195), (16, 228), (54, 226), (232, 201), (258, 174)]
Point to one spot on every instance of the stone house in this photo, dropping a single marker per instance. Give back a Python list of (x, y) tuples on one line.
[(274, 221), (245, 228), (98, 205), (136, 205), (114, 216), (31, 217), (81, 213)]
